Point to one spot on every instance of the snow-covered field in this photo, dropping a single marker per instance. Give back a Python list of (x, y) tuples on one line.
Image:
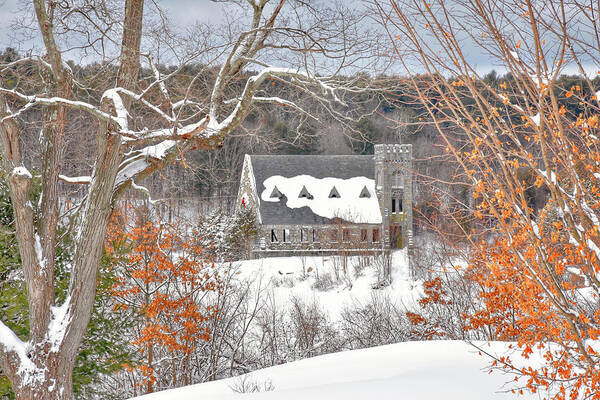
[(405, 371), (288, 277)]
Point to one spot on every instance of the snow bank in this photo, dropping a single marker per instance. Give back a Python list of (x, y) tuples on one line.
[(409, 371), (349, 206)]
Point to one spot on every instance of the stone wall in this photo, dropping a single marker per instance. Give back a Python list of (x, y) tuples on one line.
[(318, 239)]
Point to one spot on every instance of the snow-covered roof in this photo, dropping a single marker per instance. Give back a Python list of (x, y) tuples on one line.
[(304, 184), (323, 197)]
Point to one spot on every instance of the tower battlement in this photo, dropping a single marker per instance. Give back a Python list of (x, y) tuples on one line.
[(393, 152)]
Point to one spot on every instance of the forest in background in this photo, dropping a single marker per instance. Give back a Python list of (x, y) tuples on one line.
[(388, 113)]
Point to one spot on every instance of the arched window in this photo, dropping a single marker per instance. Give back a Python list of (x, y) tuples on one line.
[(397, 179)]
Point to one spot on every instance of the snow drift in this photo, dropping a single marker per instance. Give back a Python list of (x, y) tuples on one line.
[(429, 370)]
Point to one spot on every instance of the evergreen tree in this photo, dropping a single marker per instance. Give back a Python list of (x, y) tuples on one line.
[(243, 233)]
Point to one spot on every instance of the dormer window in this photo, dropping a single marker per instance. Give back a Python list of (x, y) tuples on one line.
[(304, 194), (334, 194), (364, 193), (276, 194)]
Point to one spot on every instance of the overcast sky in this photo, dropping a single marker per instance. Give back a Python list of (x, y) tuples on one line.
[(183, 12)]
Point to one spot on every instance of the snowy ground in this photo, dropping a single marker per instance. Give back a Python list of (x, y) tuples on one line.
[(297, 276), (404, 371)]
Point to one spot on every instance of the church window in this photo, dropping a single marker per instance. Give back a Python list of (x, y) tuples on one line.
[(346, 235), (287, 237), (398, 179), (304, 235), (274, 236), (375, 235), (397, 205), (333, 235), (364, 234), (316, 235)]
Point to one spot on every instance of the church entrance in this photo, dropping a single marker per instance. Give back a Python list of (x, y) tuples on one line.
[(395, 237)]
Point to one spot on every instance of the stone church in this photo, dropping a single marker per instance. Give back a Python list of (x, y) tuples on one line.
[(319, 204)]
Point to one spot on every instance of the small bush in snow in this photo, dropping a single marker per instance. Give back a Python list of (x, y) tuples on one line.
[(323, 282), (245, 384)]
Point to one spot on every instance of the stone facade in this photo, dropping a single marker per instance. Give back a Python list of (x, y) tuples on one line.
[(393, 184), (295, 233), (318, 239)]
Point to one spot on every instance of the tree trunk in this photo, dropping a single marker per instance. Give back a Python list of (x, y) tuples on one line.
[(46, 371), (57, 382)]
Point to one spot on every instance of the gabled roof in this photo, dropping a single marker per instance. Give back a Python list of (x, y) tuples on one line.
[(308, 172)]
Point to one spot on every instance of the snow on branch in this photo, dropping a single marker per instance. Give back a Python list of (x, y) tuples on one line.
[(161, 82), (120, 109), (80, 105), (7, 66), (304, 78), (139, 97), (144, 190), (76, 180), (156, 137), (164, 142)]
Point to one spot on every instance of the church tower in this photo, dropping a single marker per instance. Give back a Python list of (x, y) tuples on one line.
[(393, 184)]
